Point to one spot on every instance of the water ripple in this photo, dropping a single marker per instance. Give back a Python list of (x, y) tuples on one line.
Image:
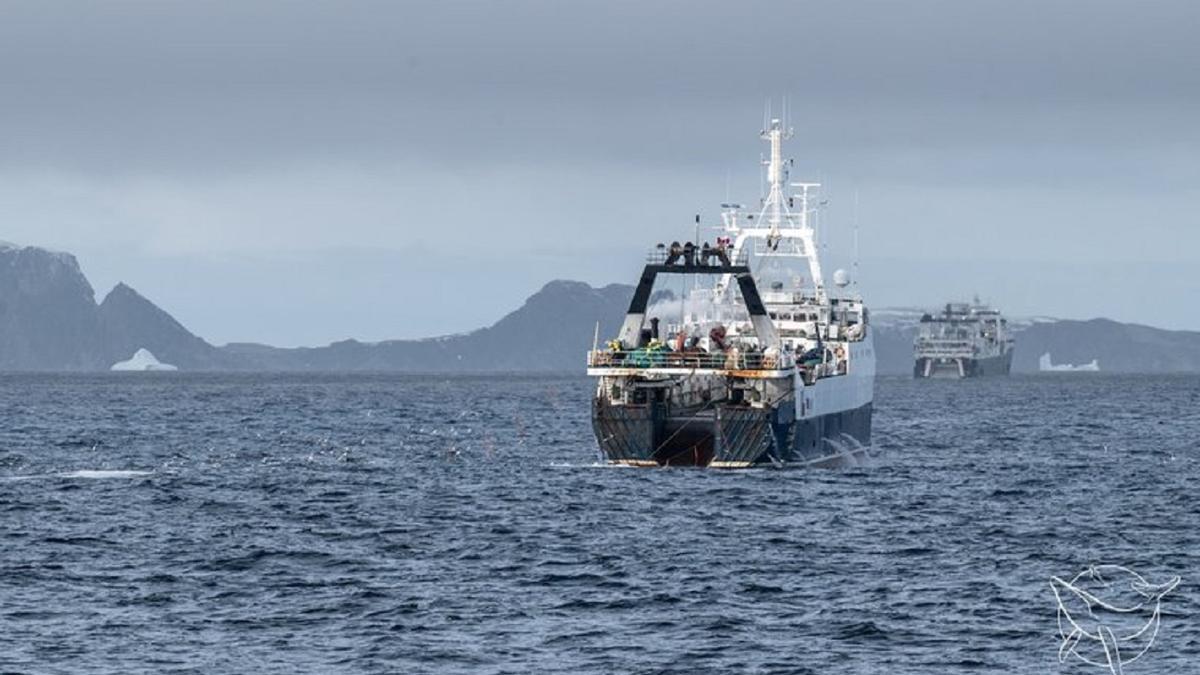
[(230, 524)]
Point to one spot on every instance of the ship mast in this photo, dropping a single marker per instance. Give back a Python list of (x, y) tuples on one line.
[(774, 208), (785, 234)]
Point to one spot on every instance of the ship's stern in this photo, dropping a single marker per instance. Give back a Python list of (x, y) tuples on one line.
[(721, 436)]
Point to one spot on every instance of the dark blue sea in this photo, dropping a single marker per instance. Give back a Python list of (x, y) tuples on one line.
[(165, 523)]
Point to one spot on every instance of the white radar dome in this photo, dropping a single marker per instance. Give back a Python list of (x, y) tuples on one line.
[(841, 278)]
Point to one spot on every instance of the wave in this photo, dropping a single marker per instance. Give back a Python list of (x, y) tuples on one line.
[(105, 473)]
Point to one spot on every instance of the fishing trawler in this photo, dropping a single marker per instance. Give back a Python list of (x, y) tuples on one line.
[(964, 340), (761, 364)]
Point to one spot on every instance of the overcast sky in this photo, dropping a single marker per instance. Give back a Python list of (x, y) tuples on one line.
[(297, 173)]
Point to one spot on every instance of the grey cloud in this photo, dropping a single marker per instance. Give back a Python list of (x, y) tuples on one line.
[(162, 83), (141, 130)]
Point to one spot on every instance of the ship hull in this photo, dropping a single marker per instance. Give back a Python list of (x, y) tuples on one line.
[(730, 437), (950, 368), (826, 423)]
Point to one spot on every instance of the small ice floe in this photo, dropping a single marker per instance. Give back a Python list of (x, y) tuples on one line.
[(105, 473), (1045, 365), (142, 360)]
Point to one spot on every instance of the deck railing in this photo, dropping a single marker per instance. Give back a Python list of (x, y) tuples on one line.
[(650, 358), (659, 256), (942, 348)]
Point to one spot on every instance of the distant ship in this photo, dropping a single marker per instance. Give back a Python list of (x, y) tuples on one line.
[(965, 340), (761, 364), (1045, 365)]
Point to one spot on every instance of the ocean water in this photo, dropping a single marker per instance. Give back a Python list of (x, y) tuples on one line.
[(404, 524)]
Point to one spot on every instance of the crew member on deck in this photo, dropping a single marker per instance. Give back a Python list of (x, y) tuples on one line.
[(717, 337), (722, 250), (674, 252)]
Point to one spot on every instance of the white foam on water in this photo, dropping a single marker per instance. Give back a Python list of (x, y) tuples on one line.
[(105, 473), (589, 465)]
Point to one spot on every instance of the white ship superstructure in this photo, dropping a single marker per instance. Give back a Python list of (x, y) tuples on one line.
[(764, 363), (964, 340)]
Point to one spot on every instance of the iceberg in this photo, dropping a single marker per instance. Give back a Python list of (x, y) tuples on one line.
[(1047, 366), (142, 360)]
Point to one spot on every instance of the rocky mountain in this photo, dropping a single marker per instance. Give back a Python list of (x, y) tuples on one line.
[(48, 314), (551, 332), (130, 322), (1119, 347), (49, 321), (555, 326)]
